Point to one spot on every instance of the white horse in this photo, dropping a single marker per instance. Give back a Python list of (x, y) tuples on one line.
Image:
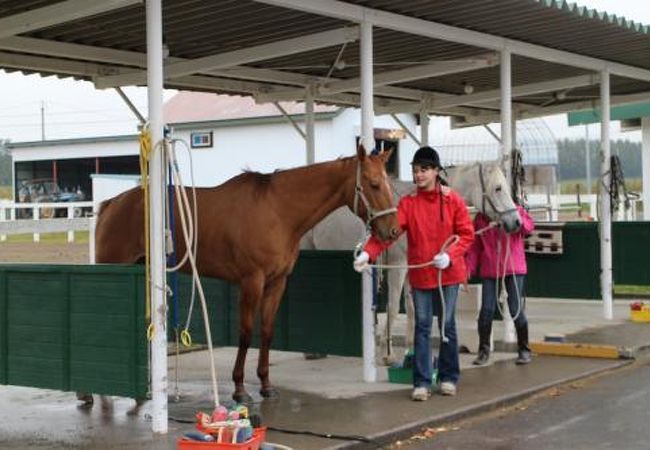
[(481, 185)]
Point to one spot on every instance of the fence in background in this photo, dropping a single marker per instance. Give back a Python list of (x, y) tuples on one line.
[(37, 218)]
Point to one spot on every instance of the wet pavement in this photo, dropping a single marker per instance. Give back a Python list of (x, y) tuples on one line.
[(326, 396)]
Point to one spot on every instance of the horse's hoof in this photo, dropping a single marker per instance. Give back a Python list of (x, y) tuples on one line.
[(242, 397), (269, 392), (135, 409)]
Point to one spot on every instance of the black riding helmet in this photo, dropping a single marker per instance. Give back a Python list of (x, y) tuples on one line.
[(426, 156)]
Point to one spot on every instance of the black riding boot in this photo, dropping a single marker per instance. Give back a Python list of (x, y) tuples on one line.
[(484, 332), (524, 356)]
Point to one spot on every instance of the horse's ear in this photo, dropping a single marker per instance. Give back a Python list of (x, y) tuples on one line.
[(385, 155), (361, 152)]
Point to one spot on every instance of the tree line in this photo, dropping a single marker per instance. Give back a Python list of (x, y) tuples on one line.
[(571, 154)]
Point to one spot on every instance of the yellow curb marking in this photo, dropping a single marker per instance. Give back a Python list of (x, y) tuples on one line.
[(573, 349)]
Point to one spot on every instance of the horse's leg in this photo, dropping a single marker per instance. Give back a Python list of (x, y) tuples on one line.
[(395, 283), (270, 304), (410, 313), (251, 289)]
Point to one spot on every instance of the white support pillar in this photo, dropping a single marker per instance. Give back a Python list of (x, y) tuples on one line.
[(506, 112), (368, 140), (606, 283), (309, 127), (156, 188), (424, 127), (367, 89), (645, 165), (506, 161)]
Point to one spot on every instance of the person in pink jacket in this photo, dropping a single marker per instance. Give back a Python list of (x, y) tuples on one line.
[(499, 257)]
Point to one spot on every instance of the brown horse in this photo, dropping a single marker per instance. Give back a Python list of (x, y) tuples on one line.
[(249, 230)]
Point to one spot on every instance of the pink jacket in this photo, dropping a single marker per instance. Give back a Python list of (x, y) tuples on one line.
[(493, 244)]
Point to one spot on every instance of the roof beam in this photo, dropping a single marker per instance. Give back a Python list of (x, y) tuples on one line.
[(435, 30), (518, 91), (530, 112), (136, 59), (429, 70), (237, 57), (328, 86), (57, 13), (90, 70)]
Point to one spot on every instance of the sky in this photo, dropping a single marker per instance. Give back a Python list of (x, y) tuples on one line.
[(76, 109)]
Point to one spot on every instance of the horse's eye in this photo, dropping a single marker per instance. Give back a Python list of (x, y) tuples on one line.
[(374, 184), (499, 189)]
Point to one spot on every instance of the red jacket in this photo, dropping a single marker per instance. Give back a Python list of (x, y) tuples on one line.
[(429, 219)]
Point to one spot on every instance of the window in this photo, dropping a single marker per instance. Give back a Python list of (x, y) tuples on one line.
[(201, 139)]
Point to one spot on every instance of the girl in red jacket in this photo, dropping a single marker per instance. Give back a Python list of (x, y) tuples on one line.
[(430, 216)]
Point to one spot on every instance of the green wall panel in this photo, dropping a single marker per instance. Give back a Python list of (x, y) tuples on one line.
[(631, 247), (73, 328)]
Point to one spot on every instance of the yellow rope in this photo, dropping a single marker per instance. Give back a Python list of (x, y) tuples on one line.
[(145, 153)]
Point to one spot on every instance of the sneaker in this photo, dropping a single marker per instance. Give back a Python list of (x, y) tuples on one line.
[(420, 394), (447, 388)]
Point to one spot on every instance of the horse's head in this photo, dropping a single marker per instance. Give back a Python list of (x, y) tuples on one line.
[(496, 201), (373, 196)]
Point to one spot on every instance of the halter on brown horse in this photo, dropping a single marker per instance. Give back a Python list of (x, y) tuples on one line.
[(249, 229)]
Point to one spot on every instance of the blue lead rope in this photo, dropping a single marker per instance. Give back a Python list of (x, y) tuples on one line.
[(171, 259)]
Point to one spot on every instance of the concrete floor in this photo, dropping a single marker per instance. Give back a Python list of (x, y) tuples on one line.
[(325, 396)]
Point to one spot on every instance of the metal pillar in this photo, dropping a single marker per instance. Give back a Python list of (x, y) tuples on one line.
[(606, 284), (506, 113), (368, 141), (424, 127), (645, 165), (156, 189), (309, 127), (506, 161), (367, 89)]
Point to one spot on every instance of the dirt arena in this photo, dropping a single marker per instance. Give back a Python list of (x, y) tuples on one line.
[(43, 252)]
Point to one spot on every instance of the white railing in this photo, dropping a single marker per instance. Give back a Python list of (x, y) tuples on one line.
[(552, 205), (40, 218)]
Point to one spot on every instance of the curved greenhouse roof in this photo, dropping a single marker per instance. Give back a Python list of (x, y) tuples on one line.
[(458, 146)]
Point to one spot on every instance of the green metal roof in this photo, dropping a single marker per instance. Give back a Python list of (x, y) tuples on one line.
[(623, 112)]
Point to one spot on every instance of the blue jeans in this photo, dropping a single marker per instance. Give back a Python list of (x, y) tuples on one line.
[(427, 304), (491, 288)]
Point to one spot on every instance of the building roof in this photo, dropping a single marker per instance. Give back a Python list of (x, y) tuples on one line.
[(549, 40), (187, 106), (624, 112)]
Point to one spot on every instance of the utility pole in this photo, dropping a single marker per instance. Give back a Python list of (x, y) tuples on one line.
[(42, 120), (587, 159)]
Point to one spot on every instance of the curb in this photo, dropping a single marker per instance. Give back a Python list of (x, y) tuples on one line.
[(406, 431)]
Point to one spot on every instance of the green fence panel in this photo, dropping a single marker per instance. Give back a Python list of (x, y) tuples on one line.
[(631, 247), (4, 332), (320, 311), (82, 328), (73, 328), (573, 274)]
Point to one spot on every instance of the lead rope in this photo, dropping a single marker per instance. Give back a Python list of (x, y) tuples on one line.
[(503, 292)]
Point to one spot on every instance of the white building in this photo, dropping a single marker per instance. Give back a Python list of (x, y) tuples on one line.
[(225, 134)]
